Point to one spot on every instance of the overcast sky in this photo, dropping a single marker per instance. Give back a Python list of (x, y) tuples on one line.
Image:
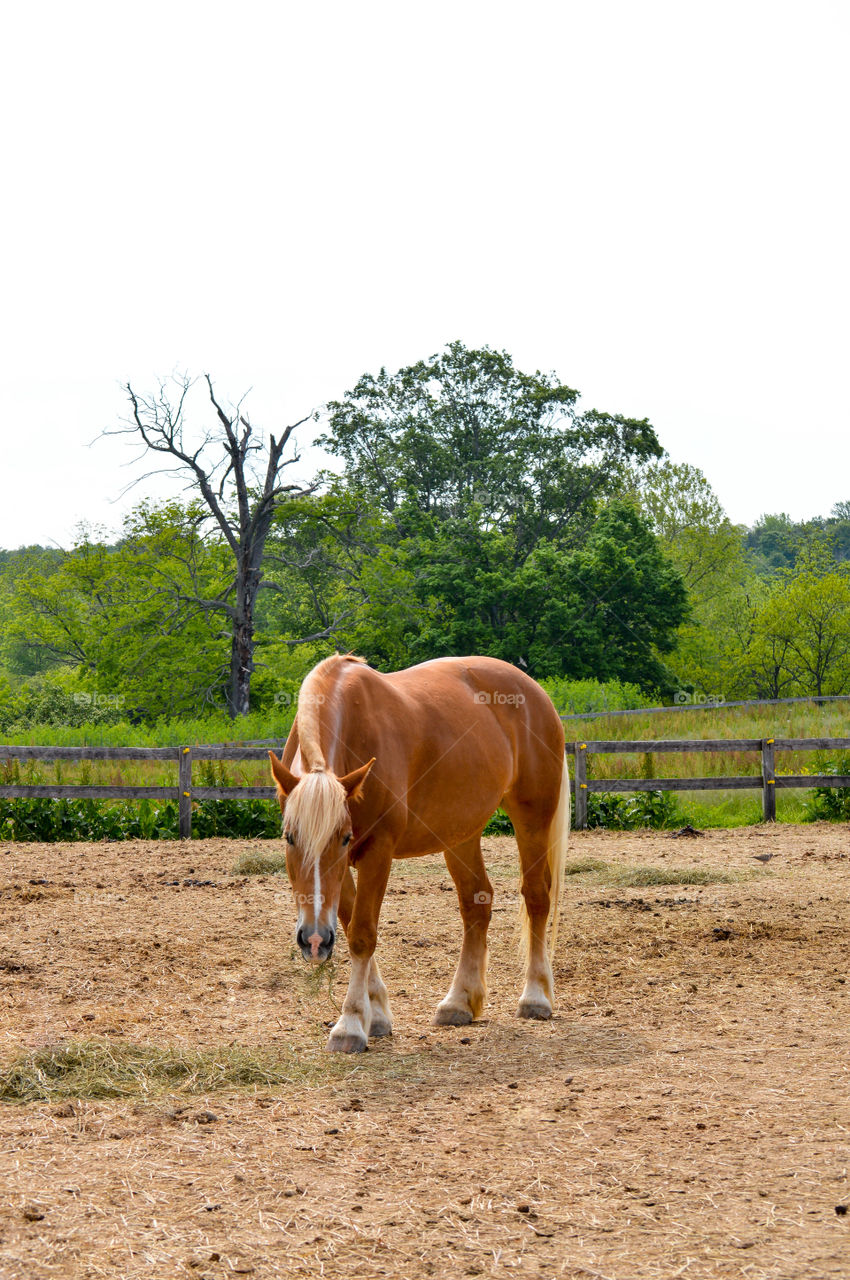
[(649, 198)]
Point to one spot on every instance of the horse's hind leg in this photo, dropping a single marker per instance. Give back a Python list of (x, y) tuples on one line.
[(466, 996), (538, 994), (381, 1022)]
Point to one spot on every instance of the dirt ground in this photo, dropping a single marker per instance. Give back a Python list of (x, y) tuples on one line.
[(685, 1113)]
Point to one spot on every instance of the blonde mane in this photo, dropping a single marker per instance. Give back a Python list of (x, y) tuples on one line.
[(315, 811), (317, 689), (318, 807)]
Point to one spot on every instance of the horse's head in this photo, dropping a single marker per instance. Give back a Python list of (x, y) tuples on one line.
[(318, 832)]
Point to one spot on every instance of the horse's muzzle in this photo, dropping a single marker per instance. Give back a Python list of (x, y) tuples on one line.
[(315, 941)]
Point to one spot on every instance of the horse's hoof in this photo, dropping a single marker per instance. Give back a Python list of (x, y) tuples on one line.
[(452, 1016), (347, 1044), (537, 1009), (380, 1027)]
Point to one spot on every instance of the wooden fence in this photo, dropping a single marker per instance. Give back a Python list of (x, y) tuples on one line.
[(185, 793), (766, 782)]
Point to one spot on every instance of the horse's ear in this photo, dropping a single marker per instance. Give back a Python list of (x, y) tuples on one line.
[(286, 781), (353, 782)]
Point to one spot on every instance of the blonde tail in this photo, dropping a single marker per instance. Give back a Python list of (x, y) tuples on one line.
[(556, 856), (558, 836)]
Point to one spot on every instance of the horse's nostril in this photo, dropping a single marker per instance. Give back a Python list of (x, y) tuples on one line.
[(331, 939), (300, 938)]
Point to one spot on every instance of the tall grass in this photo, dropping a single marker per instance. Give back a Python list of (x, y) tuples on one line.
[(186, 731), (801, 720)]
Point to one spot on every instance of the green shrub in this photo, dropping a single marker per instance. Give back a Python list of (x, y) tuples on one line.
[(499, 825), (829, 803), (618, 812), (576, 697)]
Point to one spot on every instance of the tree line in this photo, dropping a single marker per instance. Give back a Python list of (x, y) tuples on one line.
[(471, 507)]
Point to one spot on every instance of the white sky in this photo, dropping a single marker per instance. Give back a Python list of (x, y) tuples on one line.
[(647, 196)]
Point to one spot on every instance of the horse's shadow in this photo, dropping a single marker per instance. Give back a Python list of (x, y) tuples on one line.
[(509, 1049)]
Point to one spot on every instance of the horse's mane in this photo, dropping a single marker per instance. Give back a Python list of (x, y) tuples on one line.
[(315, 811), (317, 808), (317, 689)]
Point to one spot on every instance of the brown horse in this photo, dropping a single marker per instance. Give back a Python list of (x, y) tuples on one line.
[(378, 767)]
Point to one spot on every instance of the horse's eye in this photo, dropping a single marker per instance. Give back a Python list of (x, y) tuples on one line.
[(347, 839), (290, 838)]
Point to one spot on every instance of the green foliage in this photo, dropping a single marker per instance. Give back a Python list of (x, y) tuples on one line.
[(499, 825), (622, 812), (120, 615), (572, 697), (56, 699), (773, 540), (801, 633), (480, 510), (47, 820), (91, 820), (604, 611), (830, 804), (466, 429)]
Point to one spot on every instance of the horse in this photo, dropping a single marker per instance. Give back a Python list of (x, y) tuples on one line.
[(379, 767)]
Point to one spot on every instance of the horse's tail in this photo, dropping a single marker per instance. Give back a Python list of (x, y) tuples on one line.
[(556, 856)]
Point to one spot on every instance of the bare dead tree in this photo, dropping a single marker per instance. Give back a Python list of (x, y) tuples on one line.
[(240, 480)]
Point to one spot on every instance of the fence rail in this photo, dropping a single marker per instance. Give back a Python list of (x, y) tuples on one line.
[(184, 792), (767, 781)]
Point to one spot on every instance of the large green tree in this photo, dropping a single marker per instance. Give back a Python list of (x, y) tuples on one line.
[(467, 430), (608, 609)]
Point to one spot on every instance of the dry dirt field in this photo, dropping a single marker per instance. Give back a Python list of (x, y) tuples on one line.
[(686, 1113)]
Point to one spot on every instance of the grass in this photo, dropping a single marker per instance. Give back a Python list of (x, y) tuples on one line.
[(801, 720), (606, 873), (256, 863), (214, 728), (104, 1069), (582, 866), (641, 877)]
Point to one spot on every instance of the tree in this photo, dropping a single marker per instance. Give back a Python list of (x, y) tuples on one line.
[(707, 549), (694, 530), (772, 540), (111, 613), (239, 483), (606, 609), (466, 430), (802, 633)]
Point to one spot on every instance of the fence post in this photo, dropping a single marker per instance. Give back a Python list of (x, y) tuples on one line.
[(768, 779), (580, 777), (184, 793)]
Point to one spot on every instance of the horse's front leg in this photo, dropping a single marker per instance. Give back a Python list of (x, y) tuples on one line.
[(359, 1017), (379, 1000)]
